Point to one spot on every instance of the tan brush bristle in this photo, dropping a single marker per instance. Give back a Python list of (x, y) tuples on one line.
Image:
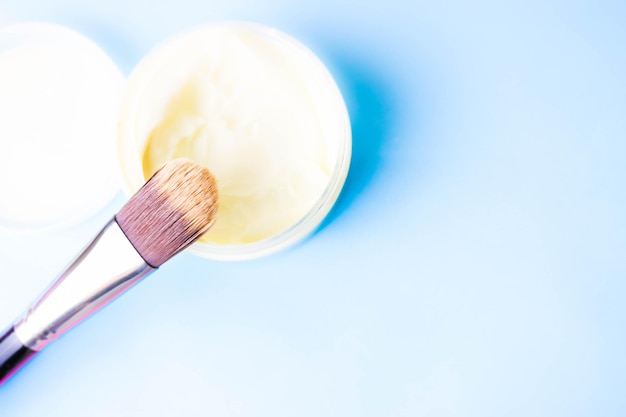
[(172, 210)]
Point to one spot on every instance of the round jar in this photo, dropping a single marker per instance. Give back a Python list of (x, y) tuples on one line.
[(260, 111), (59, 98)]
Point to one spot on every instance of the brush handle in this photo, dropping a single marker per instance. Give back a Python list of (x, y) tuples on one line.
[(105, 269), (13, 354)]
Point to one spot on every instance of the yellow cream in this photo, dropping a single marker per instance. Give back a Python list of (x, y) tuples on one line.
[(247, 107)]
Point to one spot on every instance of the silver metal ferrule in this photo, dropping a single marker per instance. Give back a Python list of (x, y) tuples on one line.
[(107, 267)]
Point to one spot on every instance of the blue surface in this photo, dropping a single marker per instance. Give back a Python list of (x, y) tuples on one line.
[(474, 265)]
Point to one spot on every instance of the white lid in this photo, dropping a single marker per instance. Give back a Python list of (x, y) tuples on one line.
[(59, 102)]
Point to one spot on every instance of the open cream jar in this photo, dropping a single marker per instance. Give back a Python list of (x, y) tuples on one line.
[(260, 111)]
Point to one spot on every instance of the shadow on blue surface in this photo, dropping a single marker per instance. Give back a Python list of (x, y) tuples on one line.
[(371, 103)]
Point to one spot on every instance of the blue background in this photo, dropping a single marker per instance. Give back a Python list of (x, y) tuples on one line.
[(473, 266)]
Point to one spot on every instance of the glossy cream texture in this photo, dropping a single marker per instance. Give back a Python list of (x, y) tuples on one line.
[(247, 107)]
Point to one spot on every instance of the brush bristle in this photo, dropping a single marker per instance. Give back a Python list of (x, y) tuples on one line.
[(172, 210)]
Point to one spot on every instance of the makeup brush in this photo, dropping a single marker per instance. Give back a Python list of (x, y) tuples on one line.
[(171, 211)]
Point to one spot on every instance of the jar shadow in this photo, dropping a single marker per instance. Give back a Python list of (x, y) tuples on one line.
[(371, 103)]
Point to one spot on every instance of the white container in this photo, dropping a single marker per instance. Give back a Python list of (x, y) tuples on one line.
[(59, 102)]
